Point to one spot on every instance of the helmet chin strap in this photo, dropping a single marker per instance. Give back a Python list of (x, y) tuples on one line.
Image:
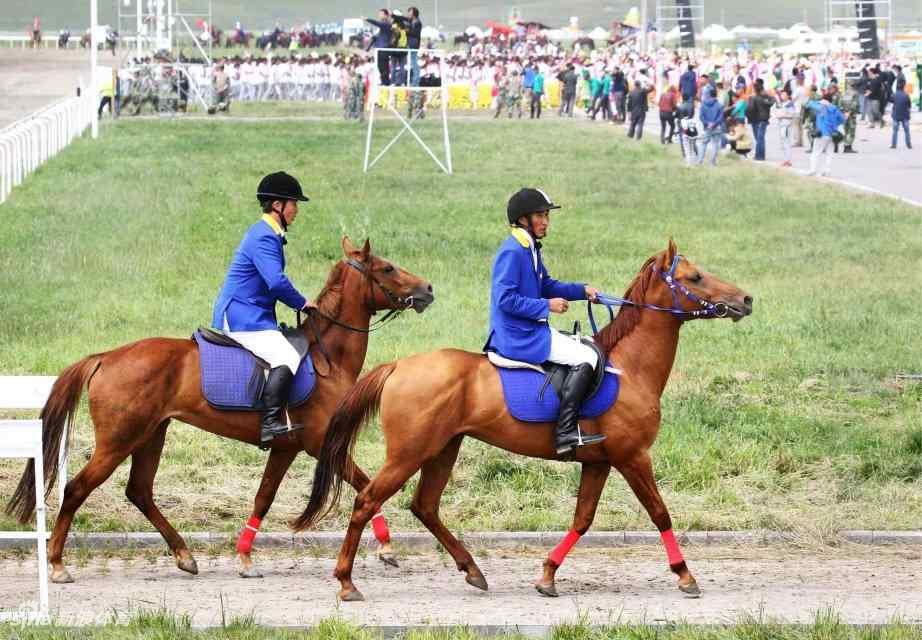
[(281, 213)]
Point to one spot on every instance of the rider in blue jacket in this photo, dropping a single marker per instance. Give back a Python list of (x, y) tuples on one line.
[(245, 308), (522, 297)]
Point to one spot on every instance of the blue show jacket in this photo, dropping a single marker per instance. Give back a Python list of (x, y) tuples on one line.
[(519, 301), (254, 282)]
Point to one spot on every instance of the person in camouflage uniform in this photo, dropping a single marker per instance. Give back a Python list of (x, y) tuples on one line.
[(808, 117), (416, 103), (850, 105), (500, 97), (835, 99), (167, 96), (145, 90), (355, 98), (919, 83), (514, 93)]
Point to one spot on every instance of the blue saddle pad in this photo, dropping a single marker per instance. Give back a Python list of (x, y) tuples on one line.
[(522, 386), (232, 379)]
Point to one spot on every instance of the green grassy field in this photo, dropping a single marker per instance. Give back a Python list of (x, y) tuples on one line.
[(167, 626), (792, 419)]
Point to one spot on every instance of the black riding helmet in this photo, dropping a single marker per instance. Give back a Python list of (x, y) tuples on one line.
[(528, 200), (280, 186)]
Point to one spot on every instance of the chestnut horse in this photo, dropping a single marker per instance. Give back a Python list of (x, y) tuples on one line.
[(430, 402), (135, 390)]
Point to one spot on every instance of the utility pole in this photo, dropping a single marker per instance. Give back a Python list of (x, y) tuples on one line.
[(138, 31), (643, 26), (94, 83)]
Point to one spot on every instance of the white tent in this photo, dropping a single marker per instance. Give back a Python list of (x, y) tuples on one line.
[(562, 34), (809, 45), (797, 30), (717, 33), (431, 33), (477, 32), (672, 34), (599, 34)]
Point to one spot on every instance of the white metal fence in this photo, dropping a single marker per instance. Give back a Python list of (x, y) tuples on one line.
[(27, 144)]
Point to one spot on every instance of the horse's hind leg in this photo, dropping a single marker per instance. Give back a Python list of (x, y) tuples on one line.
[(101, 465), (591, 482), (140, 491), (276, 466), (425, 506), (639, 475), (358, 480)]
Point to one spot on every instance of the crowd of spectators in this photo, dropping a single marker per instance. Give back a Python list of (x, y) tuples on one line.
[(708, 103)]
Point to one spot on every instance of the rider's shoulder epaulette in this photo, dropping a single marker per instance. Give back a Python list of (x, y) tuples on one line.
[(522, 236)]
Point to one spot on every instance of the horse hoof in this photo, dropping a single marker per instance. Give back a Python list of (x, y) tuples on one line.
[(188, 565), (250, 572), (61, 577), (353, 595), (690, 589), (477, 581), (388, 559), (548, 590)]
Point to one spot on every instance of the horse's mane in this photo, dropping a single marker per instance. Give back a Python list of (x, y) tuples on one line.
[(330, 298), (628, 316)]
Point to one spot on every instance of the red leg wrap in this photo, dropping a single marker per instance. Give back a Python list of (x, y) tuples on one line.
[(245, 542), (379, 526), (672, 548), (561, 550)]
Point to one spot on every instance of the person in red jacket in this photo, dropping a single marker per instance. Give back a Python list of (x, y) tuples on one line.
[(668, 102)]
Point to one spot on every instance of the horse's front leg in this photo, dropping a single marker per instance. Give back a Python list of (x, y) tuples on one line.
[(591, 482), (277, 465), (638, 471)]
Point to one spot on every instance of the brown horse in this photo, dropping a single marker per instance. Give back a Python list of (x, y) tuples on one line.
[(430, 402), (135, 390)]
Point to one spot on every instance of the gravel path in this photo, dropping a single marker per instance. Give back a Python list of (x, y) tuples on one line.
[(30, 80), (865, 584)]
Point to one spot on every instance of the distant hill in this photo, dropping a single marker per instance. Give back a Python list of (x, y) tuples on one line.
[(454, 15)]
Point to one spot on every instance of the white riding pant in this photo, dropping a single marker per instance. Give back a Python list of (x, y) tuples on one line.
[(566, 350), (270, 345)]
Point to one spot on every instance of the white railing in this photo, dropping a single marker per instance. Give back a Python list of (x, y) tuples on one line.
[(23, 439), (27, 144)]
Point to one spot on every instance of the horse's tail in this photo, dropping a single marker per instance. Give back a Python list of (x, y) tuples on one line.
[(360, 404), (57, 415)]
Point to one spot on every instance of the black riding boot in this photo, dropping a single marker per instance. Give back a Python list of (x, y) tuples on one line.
[(275, 395), (568, 435)]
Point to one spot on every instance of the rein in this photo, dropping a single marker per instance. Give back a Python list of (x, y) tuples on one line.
[(708, 309), (403, 305)]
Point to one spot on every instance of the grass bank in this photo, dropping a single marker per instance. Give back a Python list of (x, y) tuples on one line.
[(167, 626)]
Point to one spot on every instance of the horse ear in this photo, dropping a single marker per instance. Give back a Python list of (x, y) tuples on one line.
[(669, 256), (366, 249), (348, 247), (672, 250)]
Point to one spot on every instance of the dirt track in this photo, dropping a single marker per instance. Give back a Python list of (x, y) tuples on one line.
[(30, 80), (865, 584)]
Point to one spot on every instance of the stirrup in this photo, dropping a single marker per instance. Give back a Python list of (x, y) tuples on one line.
[(266, 443), (581, 441)]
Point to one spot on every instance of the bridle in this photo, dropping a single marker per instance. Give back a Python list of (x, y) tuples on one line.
[(401, 305), (708, 309)]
